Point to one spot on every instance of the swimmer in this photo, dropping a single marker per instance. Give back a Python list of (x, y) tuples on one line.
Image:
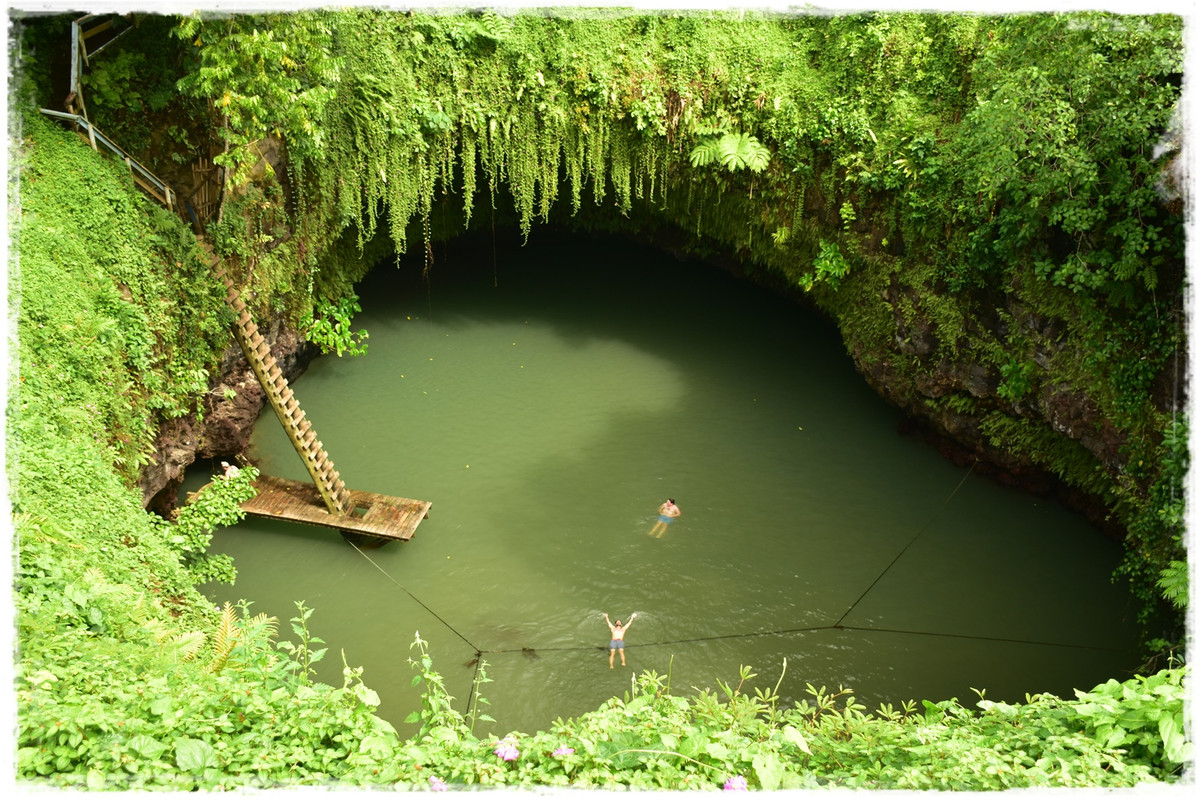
[(617, 643), (666, 512)]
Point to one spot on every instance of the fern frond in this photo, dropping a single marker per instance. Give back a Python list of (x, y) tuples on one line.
[(269, 625), (705, 153), (734, 151), (1173, 581), (743, 151), (188, 645), (225, 637), (158, 629)]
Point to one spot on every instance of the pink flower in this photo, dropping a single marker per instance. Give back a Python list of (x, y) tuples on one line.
[(507, 750), (437, 784), (736, 784), (564, 751)]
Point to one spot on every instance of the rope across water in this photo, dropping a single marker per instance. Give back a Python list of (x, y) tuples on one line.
[(758, 634)]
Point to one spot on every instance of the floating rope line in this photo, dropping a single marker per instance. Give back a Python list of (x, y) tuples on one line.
[(415, 598), (478, 661), (816, 629), (903, 550)]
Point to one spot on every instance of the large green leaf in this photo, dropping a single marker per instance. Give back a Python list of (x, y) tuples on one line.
[(194, 755)]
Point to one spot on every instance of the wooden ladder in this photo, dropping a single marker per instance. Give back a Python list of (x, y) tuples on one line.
[(330, 485)]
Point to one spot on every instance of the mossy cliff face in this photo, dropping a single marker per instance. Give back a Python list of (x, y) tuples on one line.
[(980, 202), (225, 420)]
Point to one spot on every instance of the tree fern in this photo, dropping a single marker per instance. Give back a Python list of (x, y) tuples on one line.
[(734, 151)]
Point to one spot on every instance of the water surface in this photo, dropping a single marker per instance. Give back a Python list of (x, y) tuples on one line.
[(547, 399)]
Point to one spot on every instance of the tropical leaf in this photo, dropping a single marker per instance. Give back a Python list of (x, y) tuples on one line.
[(734, 151), (1173, 581), (706, 152), (743, 151)]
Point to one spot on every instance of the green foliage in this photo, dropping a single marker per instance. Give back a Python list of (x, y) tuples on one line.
[(265, 75), (328, 327), (1143, 717), (98, 713), (217, 505), (1155, 540), (1173, 581), (302, 654), (734, 151), (1017, 380), (1050, 149), (651, 739), (100, 357), (829, 267), (130, 94)]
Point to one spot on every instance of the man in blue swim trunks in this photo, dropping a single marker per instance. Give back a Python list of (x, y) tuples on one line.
[(667, 512), (617, 643)]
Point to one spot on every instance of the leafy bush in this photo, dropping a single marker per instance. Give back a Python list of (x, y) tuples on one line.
[(328, 327), (217, 505)]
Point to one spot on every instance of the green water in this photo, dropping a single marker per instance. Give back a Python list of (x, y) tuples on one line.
[(549, 398)]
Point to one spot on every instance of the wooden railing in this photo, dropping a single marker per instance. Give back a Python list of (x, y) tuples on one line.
[(81, 31), (204, 201), (143, 177)]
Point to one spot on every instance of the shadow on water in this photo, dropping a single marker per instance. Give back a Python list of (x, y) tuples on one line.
[(548, 403)]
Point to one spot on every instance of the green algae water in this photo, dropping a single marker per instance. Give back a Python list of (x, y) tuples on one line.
[(547, 399)]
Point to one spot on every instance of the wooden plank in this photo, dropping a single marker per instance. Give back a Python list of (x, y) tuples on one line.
[(386, 517)]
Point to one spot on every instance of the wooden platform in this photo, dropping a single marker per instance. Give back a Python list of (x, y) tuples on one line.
[(376, 515)]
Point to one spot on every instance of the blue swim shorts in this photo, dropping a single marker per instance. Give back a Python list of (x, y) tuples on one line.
[(664, 519), (616, 644)]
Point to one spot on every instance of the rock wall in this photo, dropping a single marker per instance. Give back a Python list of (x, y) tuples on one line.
[(230, 408)]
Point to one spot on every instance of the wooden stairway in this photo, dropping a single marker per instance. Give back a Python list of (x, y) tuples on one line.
[(329, 484)]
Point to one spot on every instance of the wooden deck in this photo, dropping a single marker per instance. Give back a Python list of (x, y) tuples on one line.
[(376, 515)]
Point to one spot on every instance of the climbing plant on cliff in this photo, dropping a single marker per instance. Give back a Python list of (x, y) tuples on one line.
[(264, 75)]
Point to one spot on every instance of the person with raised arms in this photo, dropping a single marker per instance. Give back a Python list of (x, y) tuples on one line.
[(617, 643)]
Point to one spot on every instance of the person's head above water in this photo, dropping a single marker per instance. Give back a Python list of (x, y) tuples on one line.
[(671, 500)]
